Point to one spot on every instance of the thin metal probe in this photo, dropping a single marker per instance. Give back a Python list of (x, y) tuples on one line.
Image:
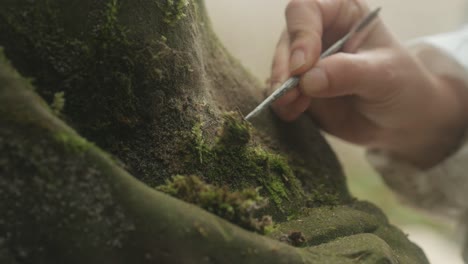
[(294, 81)]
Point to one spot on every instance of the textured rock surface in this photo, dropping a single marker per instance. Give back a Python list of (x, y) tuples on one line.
[(148, 83)]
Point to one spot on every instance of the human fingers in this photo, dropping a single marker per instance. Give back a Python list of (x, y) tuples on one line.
[(304, 27), (311, 23), (280, 72), (294, 109), (339, 117), (371, 75)]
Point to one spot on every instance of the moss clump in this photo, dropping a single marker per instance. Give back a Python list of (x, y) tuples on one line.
[(234, 159), (235, 131), (238, 207)]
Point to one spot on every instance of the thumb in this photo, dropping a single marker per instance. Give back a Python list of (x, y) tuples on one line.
[(311, 23), (370, 74)]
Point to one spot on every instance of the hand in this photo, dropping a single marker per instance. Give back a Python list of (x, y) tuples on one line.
[(375, 93)]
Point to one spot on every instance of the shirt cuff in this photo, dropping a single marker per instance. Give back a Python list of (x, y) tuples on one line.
[(442, 189)]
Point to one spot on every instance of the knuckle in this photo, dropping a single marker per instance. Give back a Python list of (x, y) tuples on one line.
[(308, 41)]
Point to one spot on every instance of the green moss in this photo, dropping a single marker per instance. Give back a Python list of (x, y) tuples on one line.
[(277, 190), (281, 174), (200, 144), (233, 159), (321, 196), (116, 84), (99, 62), (73, 143), (174, 10), (238, 207), (58, 103), (112, 13), (235, 132)]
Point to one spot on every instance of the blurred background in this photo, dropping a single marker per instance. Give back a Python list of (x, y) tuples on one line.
[(250, 29)]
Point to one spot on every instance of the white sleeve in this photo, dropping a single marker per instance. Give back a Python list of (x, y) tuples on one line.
[(442, 189), (455, 44)]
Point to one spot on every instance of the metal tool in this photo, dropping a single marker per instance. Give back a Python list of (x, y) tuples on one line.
[(294, 81)]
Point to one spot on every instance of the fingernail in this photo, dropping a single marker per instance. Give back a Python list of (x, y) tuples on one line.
[(314, 81), (297, 60)]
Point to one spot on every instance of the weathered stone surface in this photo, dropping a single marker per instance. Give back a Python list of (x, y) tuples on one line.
[(149, 83)]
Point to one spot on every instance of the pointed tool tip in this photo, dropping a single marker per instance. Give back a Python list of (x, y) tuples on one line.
[(248, 117), (375, 12), (368, 19)]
